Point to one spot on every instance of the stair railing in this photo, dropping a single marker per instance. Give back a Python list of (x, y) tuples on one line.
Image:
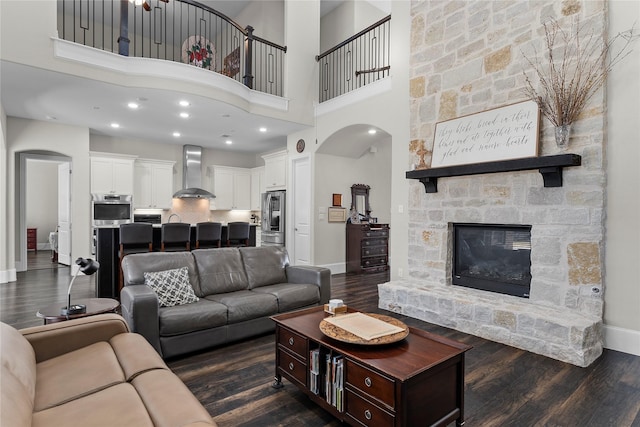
[(179, 30), (360, 60)]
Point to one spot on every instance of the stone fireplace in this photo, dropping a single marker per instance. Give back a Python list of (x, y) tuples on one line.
[(492, 257), (465, 58)]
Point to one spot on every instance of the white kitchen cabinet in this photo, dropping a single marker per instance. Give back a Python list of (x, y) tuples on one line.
[(112, 174), (232, 188), (257, 187), (275, 170), (153, 187)]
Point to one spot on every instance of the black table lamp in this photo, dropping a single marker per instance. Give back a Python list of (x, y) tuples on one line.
[(88, 267)]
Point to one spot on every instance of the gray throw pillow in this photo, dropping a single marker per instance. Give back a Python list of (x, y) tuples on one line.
[(171, 286)]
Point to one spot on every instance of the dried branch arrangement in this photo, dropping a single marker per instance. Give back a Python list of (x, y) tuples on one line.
[(574, 65)]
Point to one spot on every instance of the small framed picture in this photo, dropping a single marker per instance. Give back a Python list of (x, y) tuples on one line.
[(337, 215), (337, 200)]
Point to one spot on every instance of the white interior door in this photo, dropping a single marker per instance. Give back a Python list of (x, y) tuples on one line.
[(301, 212), (64, 213)]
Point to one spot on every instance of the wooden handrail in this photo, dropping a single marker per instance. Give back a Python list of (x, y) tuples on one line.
[(352, 38), (373, 70)]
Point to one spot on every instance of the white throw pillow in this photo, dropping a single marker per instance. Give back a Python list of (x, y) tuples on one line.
[(171, 286)]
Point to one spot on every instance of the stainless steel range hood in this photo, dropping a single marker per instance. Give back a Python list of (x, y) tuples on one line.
[(192, 175)]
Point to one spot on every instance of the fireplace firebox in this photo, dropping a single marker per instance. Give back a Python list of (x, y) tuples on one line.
[(493, 257)]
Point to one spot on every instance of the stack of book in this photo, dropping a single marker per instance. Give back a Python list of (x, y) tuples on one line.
[(316, 376), (334, 381), (327, 379)]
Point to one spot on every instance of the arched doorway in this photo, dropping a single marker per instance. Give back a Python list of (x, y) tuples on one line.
[(43, 205), (351, 155)]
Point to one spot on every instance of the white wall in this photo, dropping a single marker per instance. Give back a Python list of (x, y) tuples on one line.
[(302, 37), (346, 20), (365, 15), (337, 26), (388, 109), (622, 253), (266, 17), (42, 199), (32, 135), (7, 271), (336, 174)]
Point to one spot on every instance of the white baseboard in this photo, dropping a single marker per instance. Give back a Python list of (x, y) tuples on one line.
[(621, 339), (337, 268), (7, 276)]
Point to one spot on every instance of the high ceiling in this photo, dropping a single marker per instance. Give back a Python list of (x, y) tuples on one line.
[(34, 93)]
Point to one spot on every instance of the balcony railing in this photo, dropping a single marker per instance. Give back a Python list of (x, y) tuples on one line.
[(356, 62), (178, 30)]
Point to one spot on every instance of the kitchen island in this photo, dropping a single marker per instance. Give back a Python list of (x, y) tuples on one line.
[(107, 242)]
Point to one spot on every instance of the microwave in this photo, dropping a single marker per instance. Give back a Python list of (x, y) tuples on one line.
[(111, 209)]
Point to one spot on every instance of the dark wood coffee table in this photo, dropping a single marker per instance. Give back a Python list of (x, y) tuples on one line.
[(51, 313), (418, 381)]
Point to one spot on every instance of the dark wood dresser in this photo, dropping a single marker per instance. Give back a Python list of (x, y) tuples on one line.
[(367, 248), (32, 239)]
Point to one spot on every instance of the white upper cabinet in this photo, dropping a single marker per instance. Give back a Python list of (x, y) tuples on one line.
[(257, 187), (232, 188), (111, 174), (275, 170), (153, 187)]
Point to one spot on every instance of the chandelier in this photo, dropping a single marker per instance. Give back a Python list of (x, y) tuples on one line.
[(145, 3)]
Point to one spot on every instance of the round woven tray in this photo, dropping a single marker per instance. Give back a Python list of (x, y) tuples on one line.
[(337, 333)]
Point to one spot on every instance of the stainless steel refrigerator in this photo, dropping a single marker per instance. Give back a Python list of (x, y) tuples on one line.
[(273, 218)]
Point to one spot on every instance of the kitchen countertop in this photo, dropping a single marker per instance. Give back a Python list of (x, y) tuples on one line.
[(160, 225)]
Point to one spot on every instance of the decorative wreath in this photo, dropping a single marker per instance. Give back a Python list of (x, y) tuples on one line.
[(200, 56), (198, 51)]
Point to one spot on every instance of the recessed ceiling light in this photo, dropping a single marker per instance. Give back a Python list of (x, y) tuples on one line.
[(184, 103), (263, 129), (226, 115), (132, 105), (372, 131), (176, 134), (115, 125), (228, 142), (184, 115), (51, 118)]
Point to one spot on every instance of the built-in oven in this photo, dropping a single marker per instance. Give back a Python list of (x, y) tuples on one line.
[(111, 209)]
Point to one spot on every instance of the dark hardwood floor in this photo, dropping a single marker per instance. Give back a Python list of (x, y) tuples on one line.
[(505, 386)]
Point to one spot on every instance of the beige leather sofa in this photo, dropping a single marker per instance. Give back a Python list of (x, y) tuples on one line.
[(90, 372)]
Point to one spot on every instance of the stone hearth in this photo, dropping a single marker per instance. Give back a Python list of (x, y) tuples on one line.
[(560, 334)]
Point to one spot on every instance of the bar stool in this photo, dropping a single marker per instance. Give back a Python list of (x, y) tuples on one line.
[(238, 233), (175, 236), (208, 235), (135, 237)]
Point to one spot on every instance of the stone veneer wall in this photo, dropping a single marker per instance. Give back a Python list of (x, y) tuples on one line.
[(466, 58)]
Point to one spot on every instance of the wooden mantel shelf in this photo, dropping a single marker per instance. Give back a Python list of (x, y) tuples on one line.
[(549, 166)]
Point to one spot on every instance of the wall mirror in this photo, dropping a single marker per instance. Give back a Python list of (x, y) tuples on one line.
[(360, 201)]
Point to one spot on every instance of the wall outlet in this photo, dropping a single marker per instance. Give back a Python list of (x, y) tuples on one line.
[(400, 209), (400, 273)]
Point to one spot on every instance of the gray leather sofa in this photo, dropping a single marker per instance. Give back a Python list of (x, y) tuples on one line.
[(238, 289)]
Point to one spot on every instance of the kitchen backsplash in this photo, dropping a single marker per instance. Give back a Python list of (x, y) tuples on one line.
[(198, 210)]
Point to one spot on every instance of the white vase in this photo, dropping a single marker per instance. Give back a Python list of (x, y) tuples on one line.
[(562, 135)]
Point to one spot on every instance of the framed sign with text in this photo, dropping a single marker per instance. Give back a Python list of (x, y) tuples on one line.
[(504, 133), (337, 214)]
